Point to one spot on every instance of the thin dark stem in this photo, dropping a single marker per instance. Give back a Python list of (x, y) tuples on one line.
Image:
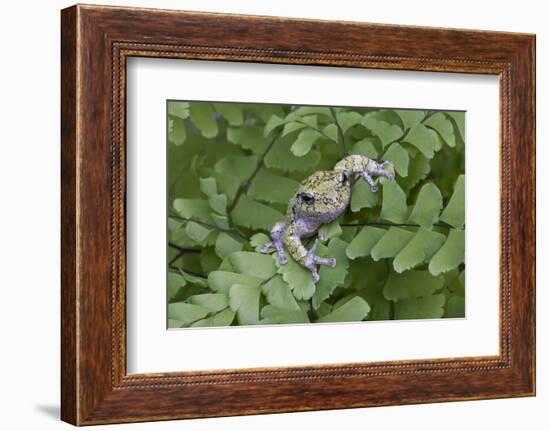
[(379, 223), (314, 128), (184, 249), (311, 313), (340, 132), (212, 314), (181, 252), (428, 115), (407, 130), (195, 274), (212, 226), (268, 279), (391, 311), (174, 259), (245, 185)]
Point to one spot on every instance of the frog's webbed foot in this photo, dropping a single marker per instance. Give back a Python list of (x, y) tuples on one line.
[(387, 170), (312, 260), (277, 243), (384, 169)]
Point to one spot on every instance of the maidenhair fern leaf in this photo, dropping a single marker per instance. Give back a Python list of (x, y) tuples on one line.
[(391, 243), (255, 215), (204, 117), (441, 124), (413, 284), (427, 207), (272, 314), (394, 203), (245, 301), (451, 254), (454, 212), (364, 241), (429, 307), (418, 250), (354, 310), (422, 138)]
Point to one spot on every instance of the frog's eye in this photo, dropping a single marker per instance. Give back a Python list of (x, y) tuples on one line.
[(307, 198)]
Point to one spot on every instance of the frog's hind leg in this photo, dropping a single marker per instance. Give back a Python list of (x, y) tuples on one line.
[(385, 169), (277, 236), (312, 260), (307, 258)]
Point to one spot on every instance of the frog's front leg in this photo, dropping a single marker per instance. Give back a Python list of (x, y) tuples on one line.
[(306, 258), (278, 237)]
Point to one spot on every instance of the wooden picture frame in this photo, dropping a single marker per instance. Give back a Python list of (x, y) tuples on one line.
[(96, 41)]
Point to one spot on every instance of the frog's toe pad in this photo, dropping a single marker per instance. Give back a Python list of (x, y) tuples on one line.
[(327, 261), (331, 262), (267, 247)]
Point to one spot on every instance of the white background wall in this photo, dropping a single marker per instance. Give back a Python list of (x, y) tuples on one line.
[(29, 215)]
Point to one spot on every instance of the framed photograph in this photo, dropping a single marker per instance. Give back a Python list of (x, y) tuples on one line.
[(265, 215)]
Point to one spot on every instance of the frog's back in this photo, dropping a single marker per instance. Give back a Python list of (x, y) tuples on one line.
[(355, 163), (321, 182)]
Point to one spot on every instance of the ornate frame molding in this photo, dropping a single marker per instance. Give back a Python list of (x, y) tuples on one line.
[(96, 41)]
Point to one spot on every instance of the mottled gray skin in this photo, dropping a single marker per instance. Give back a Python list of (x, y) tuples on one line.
[(321, 198)]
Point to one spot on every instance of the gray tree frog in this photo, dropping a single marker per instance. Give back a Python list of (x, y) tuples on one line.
[(320, 199)]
